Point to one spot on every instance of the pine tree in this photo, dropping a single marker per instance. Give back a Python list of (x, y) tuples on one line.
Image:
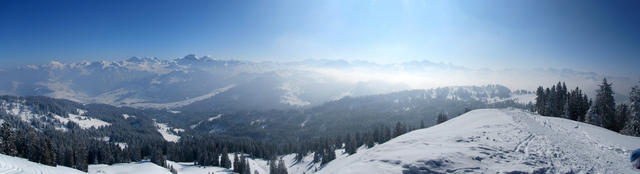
[(246, 168), (8, 140), (584, 108), (632, 126), (299, 157), (224, 160), (48, 154), (272, 166), (577, 105), (282, 169), (399, 130), (33, 146), (603, 111), (351, 146), (422, 124), (329, 155), (622, 115), (214, 157), (236, 164), (387, 134), (551, 102), (442, 117), (158, 158), (377, 134), (316, 157), (80, 157)]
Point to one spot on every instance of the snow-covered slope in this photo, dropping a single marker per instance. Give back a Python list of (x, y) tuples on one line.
[(10, 165), (27, 113), (496, 141), (167, 132), (143, 167)]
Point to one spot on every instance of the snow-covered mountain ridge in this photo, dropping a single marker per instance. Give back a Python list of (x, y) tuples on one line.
[(232, 84), (497, 141)]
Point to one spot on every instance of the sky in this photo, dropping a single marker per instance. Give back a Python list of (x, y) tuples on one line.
[(583, 35)]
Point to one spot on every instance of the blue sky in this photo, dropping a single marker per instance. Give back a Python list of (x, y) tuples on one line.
[(599, 36)]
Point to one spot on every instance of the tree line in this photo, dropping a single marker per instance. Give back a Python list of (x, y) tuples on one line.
[(602, 111)]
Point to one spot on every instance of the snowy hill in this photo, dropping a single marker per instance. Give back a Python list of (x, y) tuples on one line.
[(497, 141), (10, 165)]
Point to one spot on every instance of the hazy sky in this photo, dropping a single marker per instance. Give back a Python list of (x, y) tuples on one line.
[(598, 36)]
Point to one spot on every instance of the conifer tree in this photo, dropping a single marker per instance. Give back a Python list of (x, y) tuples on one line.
[(80, 157), (33, 146), (48, 154), (8, 140), (236, 163), (603, 110), (316, 157), (273, 166), (442, 117), (632, 126), (399, 130), (329, 155), (246, 168), (350, 146), (224, 160), (622, 116), (282, 169)]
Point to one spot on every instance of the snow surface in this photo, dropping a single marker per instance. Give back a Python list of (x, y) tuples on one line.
[(216, 117), (126, 116), (481, 141), (11, 165), (174, 112), (209, 119), (83, 121), (496, 141), (143, 167), (26, 114), (167, 132), (190, 168)]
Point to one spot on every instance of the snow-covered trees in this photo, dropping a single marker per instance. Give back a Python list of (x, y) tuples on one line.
[(329, 155), (351, 146), (603, 111), (632, 126), (277, 168), (622, 116), (224, 160), (241, 164), (7, 140)]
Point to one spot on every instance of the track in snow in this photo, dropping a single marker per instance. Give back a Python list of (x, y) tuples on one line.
[(497, 141)]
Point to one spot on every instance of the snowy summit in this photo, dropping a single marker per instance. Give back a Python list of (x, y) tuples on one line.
[(497, 141)]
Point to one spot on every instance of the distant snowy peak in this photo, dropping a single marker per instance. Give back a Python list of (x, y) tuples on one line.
[(143, 59), (497, 141), (205, 82)]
